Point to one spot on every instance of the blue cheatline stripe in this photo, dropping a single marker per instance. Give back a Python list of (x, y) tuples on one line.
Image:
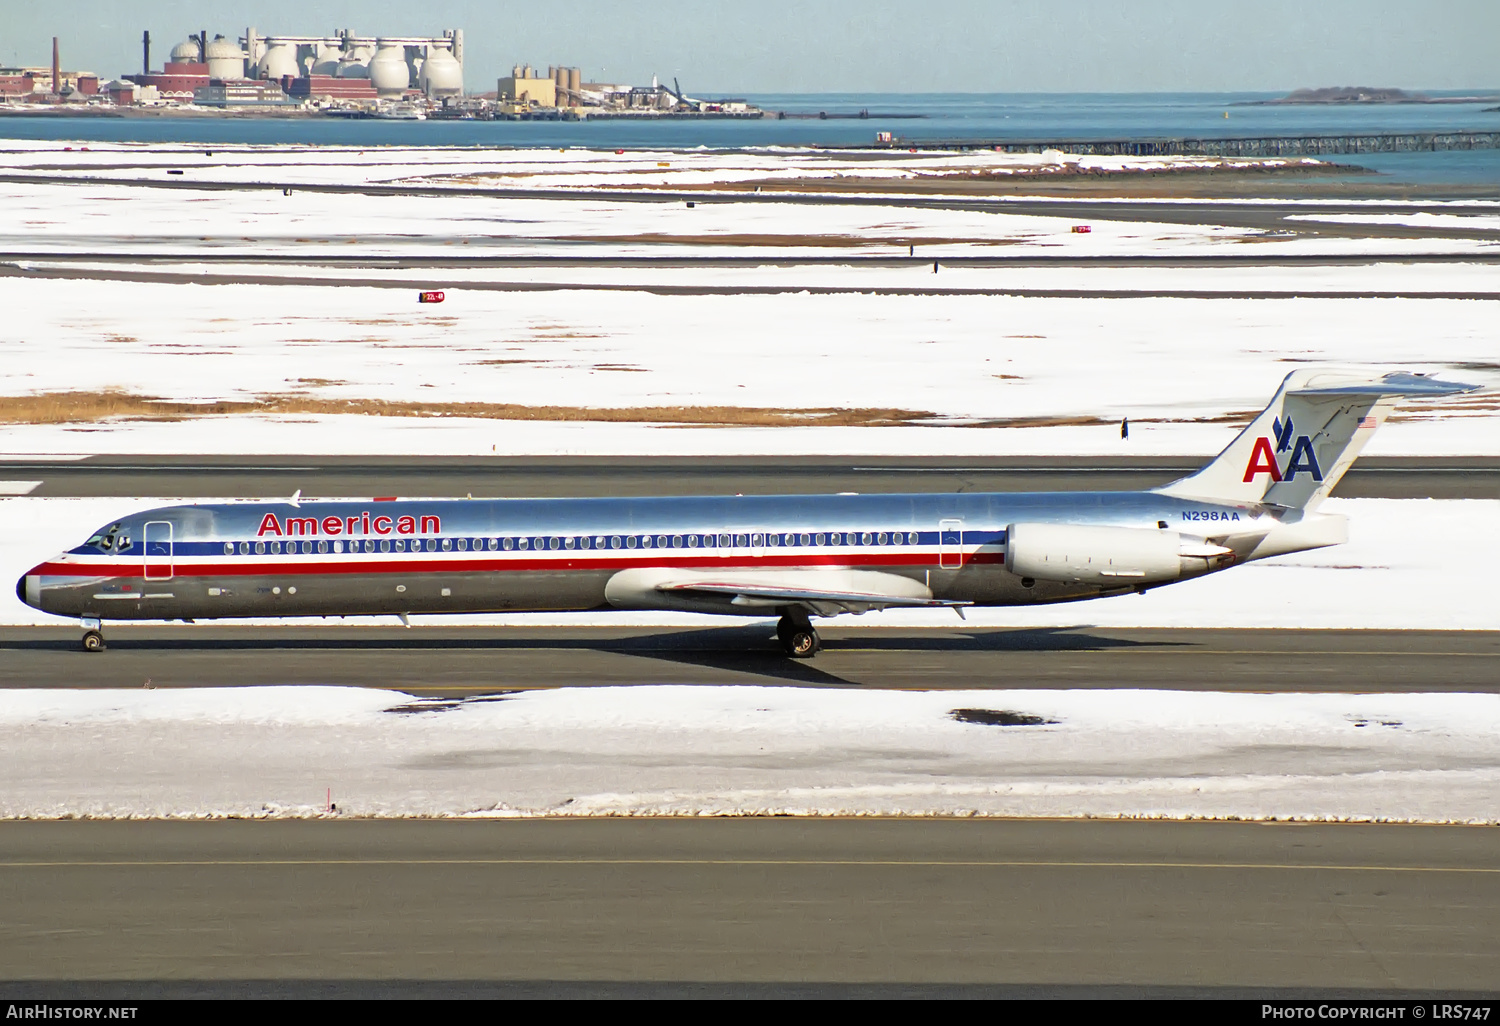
[(544, 542)]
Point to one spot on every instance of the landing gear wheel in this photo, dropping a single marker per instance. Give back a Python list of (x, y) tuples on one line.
[(93, 641), (797, 637)]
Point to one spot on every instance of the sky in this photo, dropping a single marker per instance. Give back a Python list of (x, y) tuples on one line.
[(770, 46)]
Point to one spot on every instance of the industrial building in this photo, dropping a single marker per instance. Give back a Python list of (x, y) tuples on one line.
[(341, 66), (50, 84), (392, 66)]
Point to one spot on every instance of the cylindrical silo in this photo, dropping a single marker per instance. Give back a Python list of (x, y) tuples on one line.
[(575, 86)]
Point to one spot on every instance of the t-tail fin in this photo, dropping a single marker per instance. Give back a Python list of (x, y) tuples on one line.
[(1296, 450)]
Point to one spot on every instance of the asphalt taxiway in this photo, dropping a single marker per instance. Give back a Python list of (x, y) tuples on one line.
[(747, 906), (246, 476), (459, 661)]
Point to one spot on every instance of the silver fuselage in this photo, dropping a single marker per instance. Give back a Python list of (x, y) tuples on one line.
[(355, 557)]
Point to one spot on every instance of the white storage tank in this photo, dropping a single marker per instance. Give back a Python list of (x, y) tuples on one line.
[(353, 65), (226, 61), (388, 71), (327, 61), (185, 53), (441, 74), (280, 60)]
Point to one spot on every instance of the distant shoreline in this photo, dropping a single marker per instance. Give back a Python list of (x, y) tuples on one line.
[(1341, 96)]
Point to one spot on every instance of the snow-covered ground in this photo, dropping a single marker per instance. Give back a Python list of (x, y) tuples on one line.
[(1409, 563), (569, 167), (102, 218), (1183, 370), (750, 750)]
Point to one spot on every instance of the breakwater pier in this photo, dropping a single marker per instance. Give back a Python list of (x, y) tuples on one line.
[(1214, 146)]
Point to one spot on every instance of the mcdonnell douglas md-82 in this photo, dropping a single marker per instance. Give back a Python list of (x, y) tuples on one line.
[(797, 556)]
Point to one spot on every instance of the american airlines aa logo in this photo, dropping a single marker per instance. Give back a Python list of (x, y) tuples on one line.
[(1263, 459)]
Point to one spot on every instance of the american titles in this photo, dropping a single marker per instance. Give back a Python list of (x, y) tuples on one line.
[(273, 526)]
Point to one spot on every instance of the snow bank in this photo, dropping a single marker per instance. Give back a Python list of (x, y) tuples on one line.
[(751, 750)]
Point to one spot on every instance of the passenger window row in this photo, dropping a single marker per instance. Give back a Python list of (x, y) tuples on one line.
[(565, 542)]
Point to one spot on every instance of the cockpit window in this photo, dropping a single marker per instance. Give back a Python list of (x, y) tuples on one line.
[(110, 539)]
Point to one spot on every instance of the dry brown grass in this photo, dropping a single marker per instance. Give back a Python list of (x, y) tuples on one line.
[(91, 407)]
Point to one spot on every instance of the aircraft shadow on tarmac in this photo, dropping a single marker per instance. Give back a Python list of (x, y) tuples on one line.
[(739, 649)]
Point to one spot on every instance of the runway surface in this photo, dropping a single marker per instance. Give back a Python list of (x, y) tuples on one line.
[(748, 907), (458, 661), (124, 272), (1437, 477), (195, 253)]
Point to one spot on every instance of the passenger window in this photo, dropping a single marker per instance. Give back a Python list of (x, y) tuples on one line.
[(692, 541), (322, 546), (630, 541), (229, 548), (507, 544), (614, 542), (881, 539), (805, 539), (755, 539), (568, 542), (822, 539), (260, 548), (244, 548)]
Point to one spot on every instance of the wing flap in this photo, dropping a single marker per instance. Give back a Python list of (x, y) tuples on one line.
[(750, 594)]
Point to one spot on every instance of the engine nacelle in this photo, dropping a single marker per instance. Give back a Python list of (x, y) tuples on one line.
[(1104, 556)]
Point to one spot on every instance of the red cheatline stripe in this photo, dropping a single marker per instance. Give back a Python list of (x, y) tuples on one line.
[(421, 563)]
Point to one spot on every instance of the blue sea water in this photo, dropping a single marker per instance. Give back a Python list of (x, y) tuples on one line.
[(940, 116)]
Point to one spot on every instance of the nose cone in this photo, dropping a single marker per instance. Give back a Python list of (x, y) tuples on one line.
[(29, 590)]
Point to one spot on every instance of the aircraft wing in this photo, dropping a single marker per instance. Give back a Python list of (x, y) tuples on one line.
[(753, 594)]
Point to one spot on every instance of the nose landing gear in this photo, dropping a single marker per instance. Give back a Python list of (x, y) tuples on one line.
[(797, 636), (93, 637)]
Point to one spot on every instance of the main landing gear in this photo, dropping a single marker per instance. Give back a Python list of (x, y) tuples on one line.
[(798, 639), (93, 637)]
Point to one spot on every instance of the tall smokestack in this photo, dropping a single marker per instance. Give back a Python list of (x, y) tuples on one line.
[(203, 46), (56, 70), (146, 52)]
